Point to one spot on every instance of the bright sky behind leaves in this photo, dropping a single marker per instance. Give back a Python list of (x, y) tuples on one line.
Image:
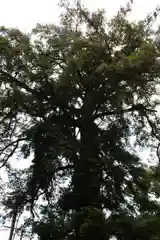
[(25, 14)]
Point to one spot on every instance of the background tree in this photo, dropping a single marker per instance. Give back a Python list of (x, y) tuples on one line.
[(78, 99)]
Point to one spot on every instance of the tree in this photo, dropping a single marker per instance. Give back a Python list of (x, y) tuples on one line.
[(79, 100)]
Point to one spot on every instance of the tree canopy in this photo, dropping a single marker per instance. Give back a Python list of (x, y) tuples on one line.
[(78, 100)]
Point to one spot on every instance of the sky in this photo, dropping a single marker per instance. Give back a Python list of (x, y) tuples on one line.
[(25, 14)]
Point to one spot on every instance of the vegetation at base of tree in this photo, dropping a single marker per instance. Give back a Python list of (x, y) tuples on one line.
[(80, 100)]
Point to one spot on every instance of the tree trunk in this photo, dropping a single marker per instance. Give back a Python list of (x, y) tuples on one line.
[(13, 224), (87, 183), (21, 236), (88, 169)]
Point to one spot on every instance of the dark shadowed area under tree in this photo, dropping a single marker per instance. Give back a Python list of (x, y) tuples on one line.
[(78, 100)]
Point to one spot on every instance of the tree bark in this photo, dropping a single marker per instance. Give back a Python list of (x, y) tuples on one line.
[(87, 169), (14, 217)]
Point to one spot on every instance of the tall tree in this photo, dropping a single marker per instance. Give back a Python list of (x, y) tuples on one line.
[(79, 98)]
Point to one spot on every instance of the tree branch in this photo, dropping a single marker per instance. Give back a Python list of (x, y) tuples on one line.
[(62, 168), (17, 82), (138, 107), (91, 23), (11, 143), (16, 142), (154, 130)]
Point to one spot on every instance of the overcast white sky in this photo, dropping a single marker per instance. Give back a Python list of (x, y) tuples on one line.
[(25, 14)]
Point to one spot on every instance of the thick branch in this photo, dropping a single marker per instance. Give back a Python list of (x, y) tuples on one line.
[(14, 217), (137, 107), (109, 113)]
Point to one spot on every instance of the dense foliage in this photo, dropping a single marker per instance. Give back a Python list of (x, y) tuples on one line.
[(80, 100)]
